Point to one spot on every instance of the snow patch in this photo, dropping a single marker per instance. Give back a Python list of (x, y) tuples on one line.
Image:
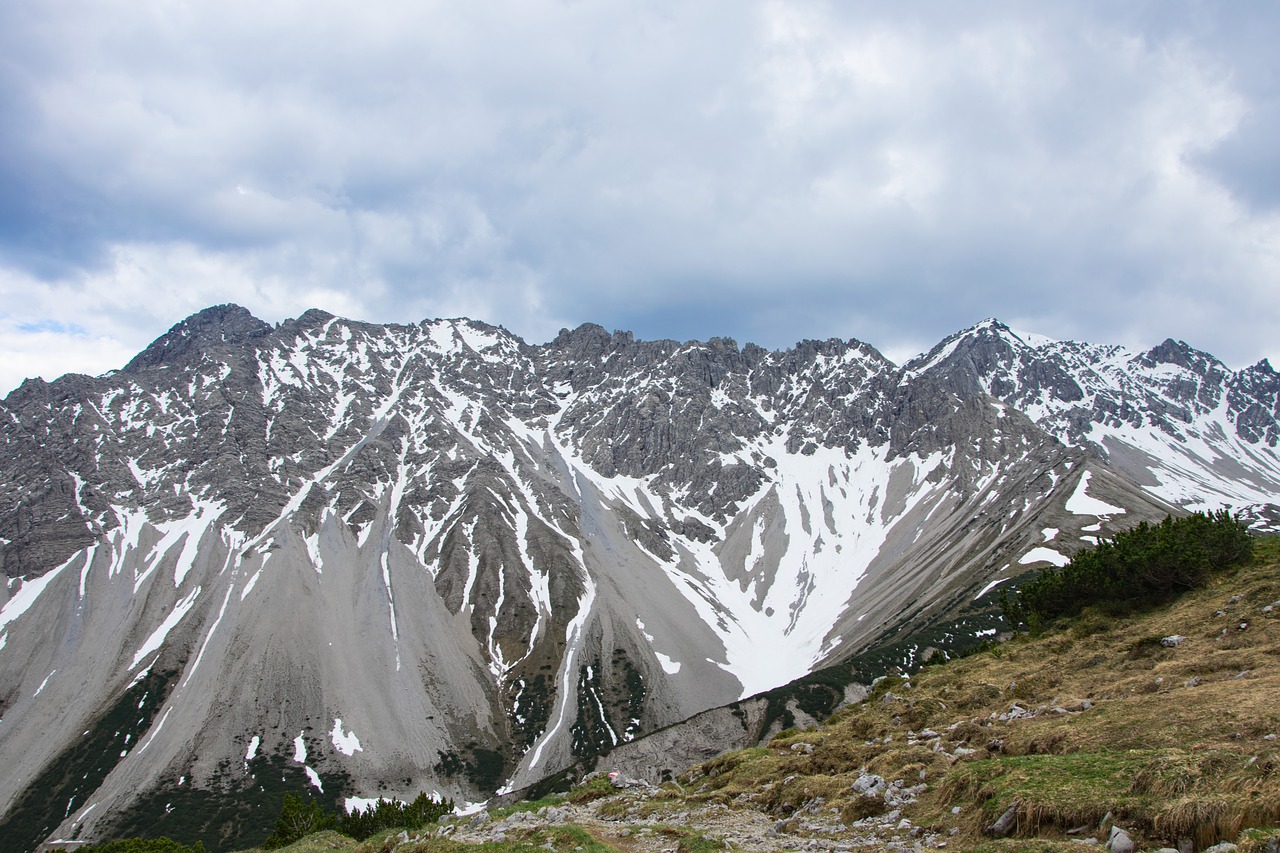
[(28, 593), (359, 804), (157, 636), (1044, 555), (986, 589), (315, 779), (252, 751), (43, 683), (1082, 503), (300, 749), (348, 744), (669, 666)]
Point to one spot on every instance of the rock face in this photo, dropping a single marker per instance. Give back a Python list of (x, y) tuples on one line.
[(388, 558)]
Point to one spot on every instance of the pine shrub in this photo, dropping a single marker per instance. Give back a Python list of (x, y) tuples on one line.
[(1147, 565), (143, 845), (392, 814)]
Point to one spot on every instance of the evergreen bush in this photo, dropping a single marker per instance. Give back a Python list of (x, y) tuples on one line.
[(298, 819), (1139, 568), (392, 814), (143, 845)]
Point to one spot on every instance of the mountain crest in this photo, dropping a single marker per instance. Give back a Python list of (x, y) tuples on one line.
[(486, 560), (219, 326)]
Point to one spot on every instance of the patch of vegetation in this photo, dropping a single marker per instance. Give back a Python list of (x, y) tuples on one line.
[(530, 709), (485, 768), (819, 693), (298, 818), (301, 817), (143, 845), (388, 814), (697, 842), (67, 781), (234, 811), (1147, 565), (596, 788), (592, 733), (533, 805)]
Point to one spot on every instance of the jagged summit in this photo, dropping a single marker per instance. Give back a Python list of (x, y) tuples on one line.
[(219, 326), (484, 559)]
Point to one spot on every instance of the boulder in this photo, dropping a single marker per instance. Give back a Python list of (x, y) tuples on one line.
[(1006, 823), (1119, 841), (869, 785)]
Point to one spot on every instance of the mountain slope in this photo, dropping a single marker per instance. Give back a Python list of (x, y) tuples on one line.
[(385, 558), (1162, 724), (1173, 419)]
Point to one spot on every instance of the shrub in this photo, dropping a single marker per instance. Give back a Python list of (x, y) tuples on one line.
[(1140, 567), (143, 845), (298, 819), (392, 814)]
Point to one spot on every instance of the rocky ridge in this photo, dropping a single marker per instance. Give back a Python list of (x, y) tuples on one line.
[(384, 558)]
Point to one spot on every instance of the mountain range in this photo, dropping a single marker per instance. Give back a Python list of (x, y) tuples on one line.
[(377, 559)]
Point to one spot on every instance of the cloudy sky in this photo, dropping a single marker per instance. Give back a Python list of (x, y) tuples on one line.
[(767, 171)]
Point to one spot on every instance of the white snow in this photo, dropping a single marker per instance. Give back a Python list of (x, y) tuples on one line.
[(249, 584), (669, 666), (29, 592), (157, 636), (208, 637), (43, 683), (252, 751), (88, 564), (391, 608), (347, 744), (568, 669), (355, 804), (155, 730), (986, 589), (315, 779), (1082, 503), (1034, 339), (300, 749), (1049, 533), (312, 544), (1045, 555)]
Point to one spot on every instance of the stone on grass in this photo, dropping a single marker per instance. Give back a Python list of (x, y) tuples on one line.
[(1120, 842), (1006, 823)]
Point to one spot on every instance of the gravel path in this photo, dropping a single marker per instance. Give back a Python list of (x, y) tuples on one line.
[(634, 821)]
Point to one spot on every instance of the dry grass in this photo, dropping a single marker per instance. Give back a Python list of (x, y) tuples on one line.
[(1174, 742)]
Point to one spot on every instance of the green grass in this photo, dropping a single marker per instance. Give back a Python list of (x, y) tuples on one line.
[(1058, 790), (560, 839), (527, 806)]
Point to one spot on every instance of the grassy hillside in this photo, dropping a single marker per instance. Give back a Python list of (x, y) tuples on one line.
[(1095, 721), (1095, 716)]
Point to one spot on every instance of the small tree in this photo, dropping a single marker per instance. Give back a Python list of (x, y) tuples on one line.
[(298, 819)]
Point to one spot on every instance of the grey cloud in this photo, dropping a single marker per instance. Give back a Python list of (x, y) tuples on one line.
[(768, 171)]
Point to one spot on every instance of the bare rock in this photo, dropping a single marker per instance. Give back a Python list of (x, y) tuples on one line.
[(1005, 824)]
